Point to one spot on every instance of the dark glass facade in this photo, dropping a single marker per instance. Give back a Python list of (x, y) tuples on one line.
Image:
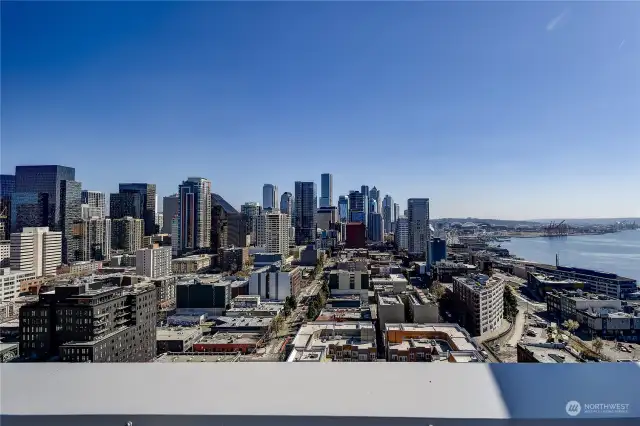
[(126, 204), (29, 209), (306, 208), (147, 201), (70, 213), (7, 188), (45, 180)]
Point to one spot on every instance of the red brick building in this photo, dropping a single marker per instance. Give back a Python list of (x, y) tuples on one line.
[(356, 235)]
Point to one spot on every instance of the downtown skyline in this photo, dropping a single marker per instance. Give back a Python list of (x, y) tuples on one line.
[(531, 119)]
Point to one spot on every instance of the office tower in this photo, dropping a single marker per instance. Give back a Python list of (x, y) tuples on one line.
[(401, 233), (45, 180), (326, 190), (220, 212), (343, 209), (146, 203), (7, 188), (419, 233), (272, 232), (194, 214), (437, 250), (126, 204), (95, 201), (159, 221), (373, 206), (169, 211), (406, 213), (286, 203), (127, 234), (376, 228), (396, 215), (110, 324), (36, 249), (249, 210), (70, 213), (95, 238), (306, 207), (358, 207), (388, 213), (374, 194), (364, 189), (326, 218), (29, 210), (270, 197), (153, 262), (237, 230)]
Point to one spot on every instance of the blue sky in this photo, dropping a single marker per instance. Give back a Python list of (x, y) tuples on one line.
[(491, 109)]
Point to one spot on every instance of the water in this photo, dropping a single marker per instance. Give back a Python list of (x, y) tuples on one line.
[(618, 253)]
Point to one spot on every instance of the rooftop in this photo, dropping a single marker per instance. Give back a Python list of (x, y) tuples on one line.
[(196, 357), (550, 353), (479, 281), (389, 300), (458, 338), (176, 333), (243, 321), (230, 338), (344, 314)]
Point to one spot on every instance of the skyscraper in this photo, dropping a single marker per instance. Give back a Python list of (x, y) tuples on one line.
[(419, 233), (220, 212), (306, 207), (326, 190), (343, 208), (388, 213), (95, 201), (36, 249), (364, 189), (376, 225), (169, 211), (374, 195), (70, 213), (401, 233), (194, 214), (7, 188), (147, 201), (45, 180), (270, 197), (358, 207), (272, 232), (249, 210), (95, 238), (127, 234), (396, 215), (286, 205)]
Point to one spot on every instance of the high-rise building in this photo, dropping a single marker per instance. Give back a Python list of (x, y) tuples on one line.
[(388, 213), (482, 298), (270, 199), (306, 206), (45, 180), (286, 203), (272, 232), (419, 232), (127, 234), (396, 215), (169, 211), (343, 208), (153, 262), (376, 227), (110, 324), (194, 214), (7, 188), (95, 201), (159, 221), (70, 213), (94, 235), (147, 200), (374, 195), (237, 230), (364, 189), (401, 233), (326, 190), (28, 210), (36, 249), (220, 212), (249, 210), (358, 207)]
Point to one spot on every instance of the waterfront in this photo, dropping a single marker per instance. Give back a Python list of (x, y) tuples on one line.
[(618, 252)]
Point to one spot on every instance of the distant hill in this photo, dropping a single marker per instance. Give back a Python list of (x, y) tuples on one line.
[(493, 222), (609, 221)]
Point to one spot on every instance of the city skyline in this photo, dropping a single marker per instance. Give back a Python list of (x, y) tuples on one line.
[(544, 108)]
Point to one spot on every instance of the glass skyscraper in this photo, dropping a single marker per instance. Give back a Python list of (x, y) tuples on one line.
[(306, 208), (147, 203), (45, 180), (70, 213), (343, 208), (326, 190)]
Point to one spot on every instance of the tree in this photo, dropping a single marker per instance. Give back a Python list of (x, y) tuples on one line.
[(571, 325), (437, 290), (550, 334), (287, 310), (510, 303), (276, 324), (597, 344)]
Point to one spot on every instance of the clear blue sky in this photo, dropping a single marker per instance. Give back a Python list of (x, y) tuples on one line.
[(491, 109)]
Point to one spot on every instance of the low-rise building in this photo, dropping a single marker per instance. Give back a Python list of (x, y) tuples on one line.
[(344, 315), (541, 284), (225, 342), (429, 343), (203, 294), (548, 353), (81, 267), (610, 323), (397, 282), (8, 352), (338, 342), (422, 308), (566, 304), (176, 339), (348, 282), (11, 283), (594, 281), (194, 264), (275, 282), (391, 309)]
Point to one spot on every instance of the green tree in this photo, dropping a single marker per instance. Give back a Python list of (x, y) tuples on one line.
[(550, 333), (510, 303), (276, 325), (597, 344), (287, 310), (437, 290), (571, 325)]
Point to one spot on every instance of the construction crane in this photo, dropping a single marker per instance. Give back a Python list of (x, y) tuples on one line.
[(556, 229)]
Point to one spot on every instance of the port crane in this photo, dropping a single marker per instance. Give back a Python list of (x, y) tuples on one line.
[(556, 229)]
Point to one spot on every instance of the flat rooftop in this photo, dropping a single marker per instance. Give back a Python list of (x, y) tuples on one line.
[(231, 338), (459, 339), (479, 281), (324, 334), (243, 321), (193, 357), (389, 300), (176, 333), (344, 314), (550, 355)]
